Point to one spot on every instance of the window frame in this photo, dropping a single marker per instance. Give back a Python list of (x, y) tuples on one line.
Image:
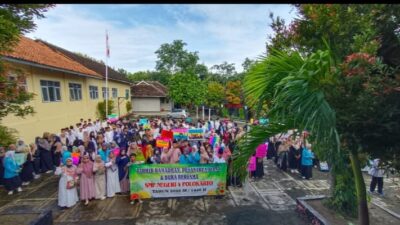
[(52, 84), (116, 93), (127, 94), (93, 92), (75, 91)]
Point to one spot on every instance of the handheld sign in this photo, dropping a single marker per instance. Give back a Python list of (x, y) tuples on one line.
[(161, 143), (196, 134), (167, 134), (143, 121), (180, 134)]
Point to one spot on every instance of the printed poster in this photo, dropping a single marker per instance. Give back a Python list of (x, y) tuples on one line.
[(162, 142), (196, 134), (180, 134)]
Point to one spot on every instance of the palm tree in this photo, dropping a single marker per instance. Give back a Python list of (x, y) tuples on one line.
[(297, 89)]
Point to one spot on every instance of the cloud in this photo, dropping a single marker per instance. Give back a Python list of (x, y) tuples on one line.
[(218, 32)]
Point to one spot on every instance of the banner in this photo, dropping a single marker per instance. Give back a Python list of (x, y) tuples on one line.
[(180, 134), (167, 134), (20, 158), (196, 134), (162, 142), (176, 180)]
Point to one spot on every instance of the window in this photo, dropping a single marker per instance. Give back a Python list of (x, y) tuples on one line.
[(75, 92), (164, 100), (114, 92), (19, 80), (93, 92), (50, 90), (127, 94), (103, 89)]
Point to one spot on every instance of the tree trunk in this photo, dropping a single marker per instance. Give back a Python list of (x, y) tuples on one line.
[(332, 182), (363, 217)]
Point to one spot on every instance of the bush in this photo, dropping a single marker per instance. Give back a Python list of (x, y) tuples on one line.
[(101, 109), (241, 114), (7, 136), (225, 112), (128, 106)]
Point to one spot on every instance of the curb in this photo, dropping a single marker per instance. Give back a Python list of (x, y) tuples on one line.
[(308, 213)]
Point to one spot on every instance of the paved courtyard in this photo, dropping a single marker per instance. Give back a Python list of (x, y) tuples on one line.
[(271, 199)]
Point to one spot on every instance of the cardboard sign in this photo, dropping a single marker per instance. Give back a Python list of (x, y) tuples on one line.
[(180, 134), (166, 134), (146, 126), (20, 158), (143, 121), (161, 142), (196, 134)]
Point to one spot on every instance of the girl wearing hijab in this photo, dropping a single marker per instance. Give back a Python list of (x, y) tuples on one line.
[(46, 161), (12, 180), (204, 158), (113, 185), (27, 167), (89, 145), (55, 149), (36, 160), (99, 178), (85, 169), (65, 155), (67, 193), (122, 162)]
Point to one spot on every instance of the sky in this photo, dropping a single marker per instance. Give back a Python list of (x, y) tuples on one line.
[(217, 32)]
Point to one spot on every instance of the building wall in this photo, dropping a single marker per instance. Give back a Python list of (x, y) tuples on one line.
[(166, 106), (52, 116), (145, 104)]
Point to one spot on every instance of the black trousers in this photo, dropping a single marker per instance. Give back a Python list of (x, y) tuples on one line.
[(374, 181), (307, 171)]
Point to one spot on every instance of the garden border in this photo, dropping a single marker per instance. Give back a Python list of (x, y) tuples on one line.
[(307, 212)]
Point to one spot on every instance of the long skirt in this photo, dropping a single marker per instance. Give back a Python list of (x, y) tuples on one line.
[(12, 183), (124, 183), (113, 185), (259, 173), (27, 172), (56, 158), (100, 185), (87, 189), (66, 197), (46, 161)]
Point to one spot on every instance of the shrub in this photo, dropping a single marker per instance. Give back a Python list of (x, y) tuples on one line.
[(225, 112), (7, 136), (128, 106), (101, 108), (241, 114)]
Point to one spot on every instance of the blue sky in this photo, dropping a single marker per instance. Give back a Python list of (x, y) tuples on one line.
[(217, 32)]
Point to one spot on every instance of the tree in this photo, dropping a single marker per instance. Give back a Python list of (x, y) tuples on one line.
[(173, 58), (186, 89), (215, 94), (149, 75), (247, 63), (225, 69), (16, 20)]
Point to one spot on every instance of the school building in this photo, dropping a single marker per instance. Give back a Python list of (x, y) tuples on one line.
[(67, 87)]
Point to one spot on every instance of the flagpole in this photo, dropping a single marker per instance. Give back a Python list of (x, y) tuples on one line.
[(106, 74)]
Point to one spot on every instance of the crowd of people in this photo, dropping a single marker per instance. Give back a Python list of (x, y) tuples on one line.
[(93, 158)]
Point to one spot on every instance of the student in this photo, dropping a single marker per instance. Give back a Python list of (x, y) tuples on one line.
[(46, 161), (218, 158), (132, 158), (122, 162), (2, 155), (12, 180), (377, 172), (27, 167), (307, 161), (204, 158), (113, 185), (99, 178), (67, 193), (175, 153), (186, 157), (85, 169)]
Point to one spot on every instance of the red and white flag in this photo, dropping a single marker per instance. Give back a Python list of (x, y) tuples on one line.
[(107, 46)]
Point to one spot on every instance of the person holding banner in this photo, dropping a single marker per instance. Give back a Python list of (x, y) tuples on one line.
[(12, 180), (204, 158)]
